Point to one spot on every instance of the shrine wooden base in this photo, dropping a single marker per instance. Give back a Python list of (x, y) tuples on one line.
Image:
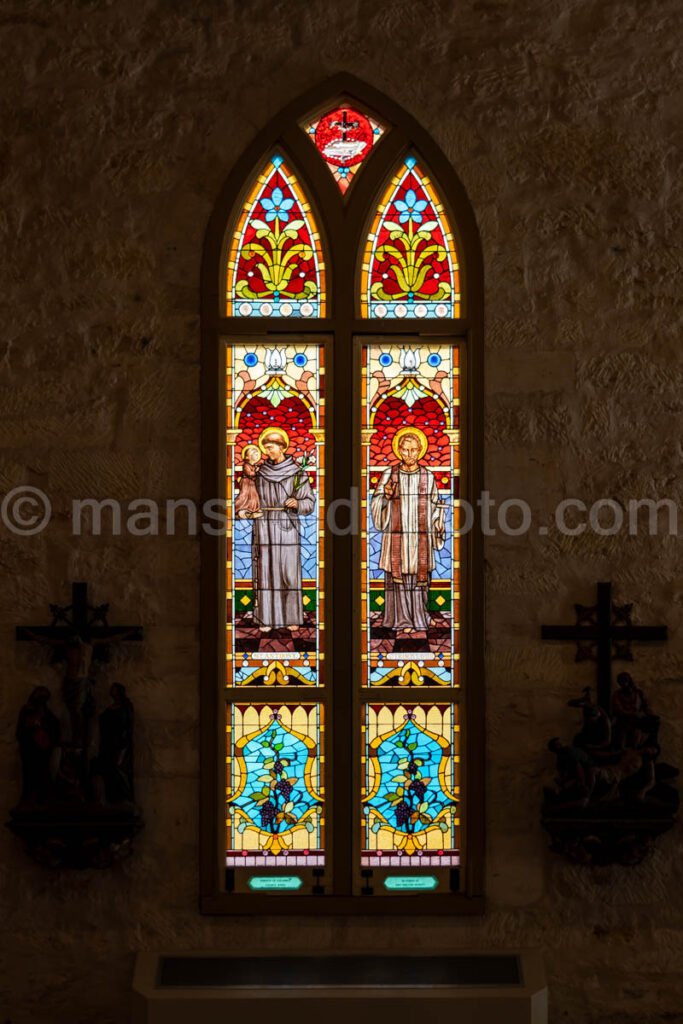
[(600, 841), (213, 987), (83, 836)]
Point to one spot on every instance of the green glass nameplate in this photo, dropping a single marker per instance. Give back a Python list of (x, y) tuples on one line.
[(275, 883), (410, 883)]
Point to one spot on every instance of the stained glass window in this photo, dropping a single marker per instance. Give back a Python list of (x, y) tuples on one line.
[(410, 621), (410, 786), (344, 137), (341, 671), (275, 786), (275, 265), (410, 548), (275, 471), (410, 266)]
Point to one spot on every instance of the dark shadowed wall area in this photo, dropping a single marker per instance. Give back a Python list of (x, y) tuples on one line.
[(120, 122)]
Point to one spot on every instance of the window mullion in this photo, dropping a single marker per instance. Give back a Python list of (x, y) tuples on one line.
[(341, 618)]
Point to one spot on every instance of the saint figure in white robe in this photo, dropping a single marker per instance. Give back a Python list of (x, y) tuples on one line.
[(405, 508)]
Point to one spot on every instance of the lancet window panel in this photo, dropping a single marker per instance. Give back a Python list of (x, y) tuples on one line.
[(410, 786), (275, 494), (275, 789), (410, 266), (275, 264), (410, 488)]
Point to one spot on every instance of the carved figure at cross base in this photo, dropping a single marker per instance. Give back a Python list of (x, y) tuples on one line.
[(81, 637), (612, 795), (112, 769), (633, 721), (38, 735), (80, 674)]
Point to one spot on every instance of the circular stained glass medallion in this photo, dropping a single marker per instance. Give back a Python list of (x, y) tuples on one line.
[(344, 137)]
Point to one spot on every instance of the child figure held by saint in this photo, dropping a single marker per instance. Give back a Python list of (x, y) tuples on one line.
[(247, 503)]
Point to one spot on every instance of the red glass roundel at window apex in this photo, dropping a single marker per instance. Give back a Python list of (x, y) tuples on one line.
[(344, 137)]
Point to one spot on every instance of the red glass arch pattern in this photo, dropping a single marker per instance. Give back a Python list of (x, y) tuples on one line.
[(410, 266), (275, 263)]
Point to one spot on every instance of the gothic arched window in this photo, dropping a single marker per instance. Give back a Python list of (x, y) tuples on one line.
[(342, 624)]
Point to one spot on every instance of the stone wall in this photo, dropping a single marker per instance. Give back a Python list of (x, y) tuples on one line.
[(119, 123)]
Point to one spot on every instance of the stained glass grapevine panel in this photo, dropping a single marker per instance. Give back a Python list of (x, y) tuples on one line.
[(410, 265), (410, 548), (275, 473), (344, 137), (275, 785), (275, 263), (411, 787)]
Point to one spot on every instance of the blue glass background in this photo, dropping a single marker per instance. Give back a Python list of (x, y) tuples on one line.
[(389, 754), (242, 531), (255, 754)]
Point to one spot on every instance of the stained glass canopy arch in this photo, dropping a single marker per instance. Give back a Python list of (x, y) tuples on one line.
[(410, 265), (275, 265)]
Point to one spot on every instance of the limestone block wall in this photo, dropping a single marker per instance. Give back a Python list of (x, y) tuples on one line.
[(119, 123)]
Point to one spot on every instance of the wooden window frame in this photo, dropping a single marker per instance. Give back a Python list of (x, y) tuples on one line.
[(346, 220)]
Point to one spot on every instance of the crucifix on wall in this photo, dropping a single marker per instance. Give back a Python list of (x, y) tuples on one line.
[(603, 633), (77, 805), (80, 635), (612, 794)]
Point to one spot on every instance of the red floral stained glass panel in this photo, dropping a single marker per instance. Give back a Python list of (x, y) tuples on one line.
[(410, 265), (344, 137), (275, 264)]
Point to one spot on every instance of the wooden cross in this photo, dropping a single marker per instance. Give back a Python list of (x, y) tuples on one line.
[(79, 620), (604, 633), (345, 125)]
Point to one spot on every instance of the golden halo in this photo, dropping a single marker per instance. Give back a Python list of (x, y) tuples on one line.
[(244, 450), (273, 430), (424, 443)]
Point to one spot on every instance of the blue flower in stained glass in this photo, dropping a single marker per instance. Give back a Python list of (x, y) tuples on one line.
[(385, 359), (434, 359), (300, 359), (277, 205), (411, 207), (250, 359)]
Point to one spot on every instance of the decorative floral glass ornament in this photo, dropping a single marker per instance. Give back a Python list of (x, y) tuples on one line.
[(274, 785), (410, 265), (411, 787), (275, 265)]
